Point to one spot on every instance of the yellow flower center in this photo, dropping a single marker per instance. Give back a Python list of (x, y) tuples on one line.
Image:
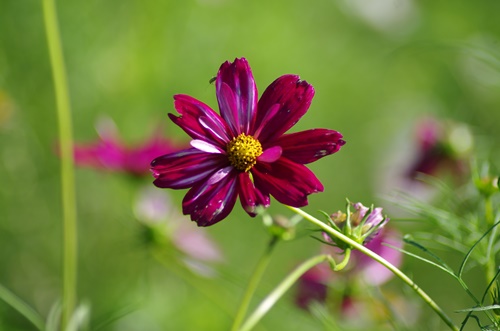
[(243, 152)]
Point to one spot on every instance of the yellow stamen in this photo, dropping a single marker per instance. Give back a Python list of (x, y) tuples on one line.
[(243, 152)]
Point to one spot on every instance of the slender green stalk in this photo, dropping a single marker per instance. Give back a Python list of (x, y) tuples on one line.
[(67, 163), (280, 290), (428, 300), (488, 208), (253, 283), (22, 307), (490, 263)]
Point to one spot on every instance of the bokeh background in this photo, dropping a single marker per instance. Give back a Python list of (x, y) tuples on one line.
[(378, 67)]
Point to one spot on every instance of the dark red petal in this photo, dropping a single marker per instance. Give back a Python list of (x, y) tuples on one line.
[(250, 196), (208, 204), (294, 97), (199, 120), (185, 168), (310, 145), (237, 95), (288, 182)]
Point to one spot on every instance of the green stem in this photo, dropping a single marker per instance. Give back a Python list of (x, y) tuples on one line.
[(253, 283), (490, 263), (67, 163), (428, 300), (280, 290), (22, 307), (340, 266)]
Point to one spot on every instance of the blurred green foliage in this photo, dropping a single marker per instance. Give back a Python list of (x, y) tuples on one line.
[(377, 67)]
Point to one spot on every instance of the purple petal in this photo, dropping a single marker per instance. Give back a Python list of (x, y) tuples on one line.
[(185, 168), (294, 97), (310, 145), (375, 218), (208, 204), (271, 112), (288, 182), (250, 196), (270, 155), (219, 175), (198, 120), (237, 94), (228, 108)]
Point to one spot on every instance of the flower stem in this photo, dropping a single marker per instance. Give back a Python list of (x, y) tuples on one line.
[(280, 290), (22, 307), (490, 221), (428, 300), (67, 163), (253, 283)]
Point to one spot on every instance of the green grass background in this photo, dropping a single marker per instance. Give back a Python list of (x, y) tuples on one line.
[(125, 59)]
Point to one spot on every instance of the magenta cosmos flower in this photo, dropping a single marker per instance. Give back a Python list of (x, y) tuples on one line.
[(244, 151), (112, 154)]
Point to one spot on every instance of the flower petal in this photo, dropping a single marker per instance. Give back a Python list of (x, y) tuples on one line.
[(271, 154), (288, 182), (294, 97), (310, 145), (208, 204), (198, 120), (206, 147), (237, 94), (250, 196), (185, 168), (374, 273)]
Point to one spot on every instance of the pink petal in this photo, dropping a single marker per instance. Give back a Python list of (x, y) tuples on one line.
[(271, 112), (250, 196), (185, 168), (108, 154), (199, 121), (288, 182), (197, 244), (294, 97), (229, 108), (373, 272), (270, 155), (308, 146), (239, 106), (208, 204), (206, 146)]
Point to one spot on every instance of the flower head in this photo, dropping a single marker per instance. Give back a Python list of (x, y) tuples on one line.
[(244, 151), (362, 225), (110, 153)]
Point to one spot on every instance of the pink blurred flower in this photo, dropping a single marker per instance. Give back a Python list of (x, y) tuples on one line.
[(110, 153), (441, 145), (372, 272), (164, 224), (244, 151), (313, 285)]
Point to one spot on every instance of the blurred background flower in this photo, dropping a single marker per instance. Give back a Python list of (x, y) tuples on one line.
[(347, 293), (112, 154)]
